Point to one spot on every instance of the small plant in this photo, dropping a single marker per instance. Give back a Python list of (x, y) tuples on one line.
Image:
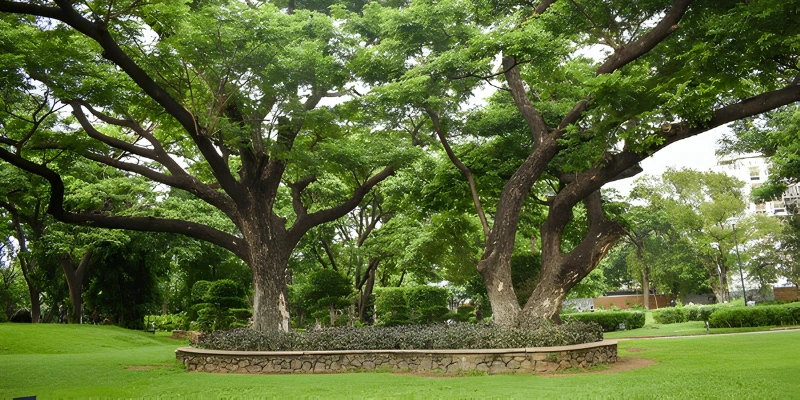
[(552, 357)]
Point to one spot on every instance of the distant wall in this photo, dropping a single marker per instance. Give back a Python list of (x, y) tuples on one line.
[(786, 293), (492, 361), (627, 301)]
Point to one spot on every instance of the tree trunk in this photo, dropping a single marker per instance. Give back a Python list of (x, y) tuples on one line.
[(646, 288), (365, 295), (332, 312), (36, 309), (75, 283), (270, 298), (496, 273)]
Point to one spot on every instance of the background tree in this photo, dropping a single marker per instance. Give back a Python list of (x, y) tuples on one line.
[(589, 122), (239, 105)]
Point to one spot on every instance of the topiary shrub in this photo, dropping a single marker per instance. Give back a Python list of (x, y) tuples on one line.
[(609, 320), (391, 308), (407, 337), (669, 315), (737, 317), (216, 313), (427, 304)]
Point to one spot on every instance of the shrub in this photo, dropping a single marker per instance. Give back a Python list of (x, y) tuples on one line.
[(406, 337), (609, 320), (166, 322), (391, 307), (463, 313), (736, 317), (427, 304), (220, 299), (702, 313), (669, 315)]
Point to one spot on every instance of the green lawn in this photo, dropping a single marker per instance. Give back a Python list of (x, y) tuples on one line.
[(651, 329), (62, 361)]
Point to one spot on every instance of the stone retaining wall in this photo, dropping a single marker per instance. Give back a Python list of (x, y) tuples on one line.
[(493, 361)]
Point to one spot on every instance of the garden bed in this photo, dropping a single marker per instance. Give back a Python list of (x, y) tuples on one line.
[(491, 361)]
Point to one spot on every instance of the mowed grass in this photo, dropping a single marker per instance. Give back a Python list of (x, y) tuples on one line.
[(64, 361), (653, 329)]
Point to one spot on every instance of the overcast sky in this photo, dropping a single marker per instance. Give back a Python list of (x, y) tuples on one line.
[(696, 152)]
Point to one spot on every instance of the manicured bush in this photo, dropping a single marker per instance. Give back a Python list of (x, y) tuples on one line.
[(404, 337), (427, 304), (463, 313), (166, 322), (702, 313), (391, 307), (736, 317), (220, 299), (609, 320), (411, 305), (669, 315)]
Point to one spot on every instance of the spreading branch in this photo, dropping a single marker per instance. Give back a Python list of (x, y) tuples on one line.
[(307, 221), (148, 224), (461, 167)]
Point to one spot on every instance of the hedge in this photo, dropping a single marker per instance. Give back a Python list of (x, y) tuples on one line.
[(737, 317), (609, 320), (412, 305), (459, 335), (673, 315)]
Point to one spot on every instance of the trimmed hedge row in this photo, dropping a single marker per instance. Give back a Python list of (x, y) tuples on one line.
[(609, 320), (411, 305), (673, 315), (406, 337), (737, 317)]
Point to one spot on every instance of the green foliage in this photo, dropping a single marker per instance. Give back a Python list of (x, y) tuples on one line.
[(165, 322), (391, 307), (609, 320), (734, 317), (411, 305), (328, 290), (702, 313), (670, 315), (219, 302), (427, 304), (438, 336)]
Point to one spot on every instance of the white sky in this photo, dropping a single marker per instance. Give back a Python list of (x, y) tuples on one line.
[(696, 152)]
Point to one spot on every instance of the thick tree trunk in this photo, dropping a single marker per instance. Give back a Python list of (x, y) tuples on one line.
[(270, 298), (496, 272)]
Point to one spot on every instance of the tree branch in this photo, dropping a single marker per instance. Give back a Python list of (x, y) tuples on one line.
[(147, 224), (307, 221), (461, 167), (534, 120), (98, 31), (629, 53)]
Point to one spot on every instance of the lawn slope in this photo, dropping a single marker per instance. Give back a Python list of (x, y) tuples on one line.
[(58, 361)]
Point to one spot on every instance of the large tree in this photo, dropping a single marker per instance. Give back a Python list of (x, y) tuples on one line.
[(666, 71), (221, 99), (238, 87)]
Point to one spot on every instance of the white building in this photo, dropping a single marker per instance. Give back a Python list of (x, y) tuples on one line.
[(753, 170)]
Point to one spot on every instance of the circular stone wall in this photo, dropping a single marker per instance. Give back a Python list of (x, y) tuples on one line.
[(493, 361)]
